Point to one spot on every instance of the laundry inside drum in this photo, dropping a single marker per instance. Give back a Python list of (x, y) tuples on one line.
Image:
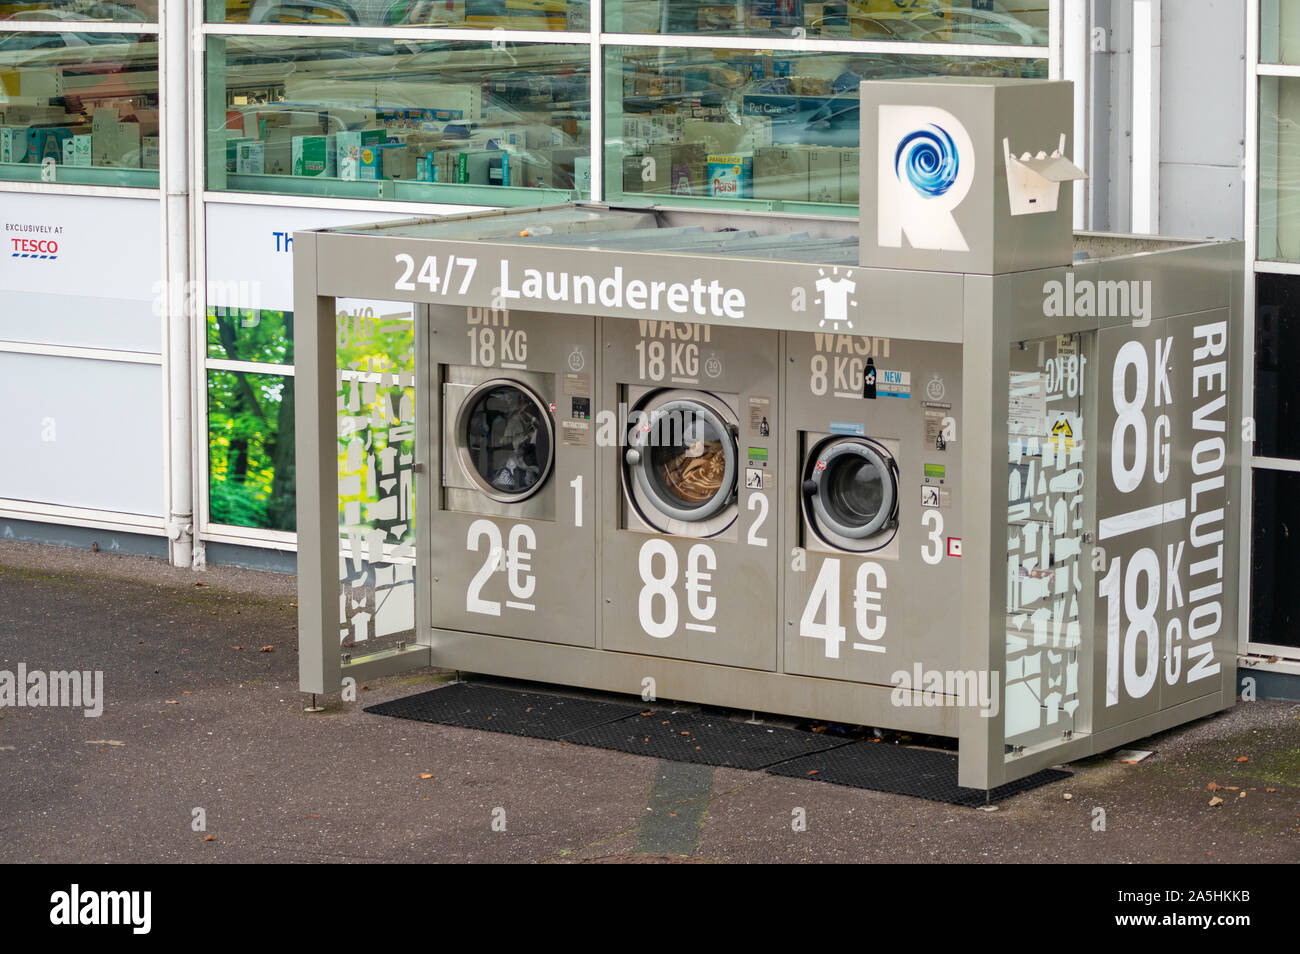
[(507, 440), (689, 462)]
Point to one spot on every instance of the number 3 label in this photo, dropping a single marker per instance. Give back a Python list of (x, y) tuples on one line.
[(932, 552)]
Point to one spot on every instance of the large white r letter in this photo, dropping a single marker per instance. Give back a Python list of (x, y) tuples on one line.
[(925, 167)]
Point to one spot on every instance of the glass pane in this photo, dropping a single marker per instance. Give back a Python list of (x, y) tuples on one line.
[(760, 129), (250, 335), (376, 458), (855, 490), (688, 463), (45, 11), (1275, 559), (1045, 552), (79, 108), (1279, 31), (507, 440), (250, 450), (1016, 22), (461, 14), (494, 124), (1279, 168), (1277, 386)]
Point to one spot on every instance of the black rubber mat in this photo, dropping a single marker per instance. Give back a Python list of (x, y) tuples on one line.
[(921, 773), (534, 714), (704, 739), (698, 737)]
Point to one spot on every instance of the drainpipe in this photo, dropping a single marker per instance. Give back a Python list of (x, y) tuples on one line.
[(174, 125)]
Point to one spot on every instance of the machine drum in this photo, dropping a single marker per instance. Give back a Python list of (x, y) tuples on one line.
[(507, 440), (683, 456), (852, 487)]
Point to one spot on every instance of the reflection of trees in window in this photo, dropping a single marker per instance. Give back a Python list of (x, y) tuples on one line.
[(250, 424)]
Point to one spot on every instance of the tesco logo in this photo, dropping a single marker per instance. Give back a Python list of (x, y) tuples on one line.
[(34, 248)]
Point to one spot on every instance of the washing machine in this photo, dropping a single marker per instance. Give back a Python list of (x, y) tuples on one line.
[(689, 536), (514, 533), (872, 433)]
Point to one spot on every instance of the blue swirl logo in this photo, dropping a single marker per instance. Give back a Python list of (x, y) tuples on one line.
[(928, 159)]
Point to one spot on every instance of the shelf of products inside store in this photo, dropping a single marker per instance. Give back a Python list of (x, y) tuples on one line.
[(82, 113), (389, 125), (766, 126)]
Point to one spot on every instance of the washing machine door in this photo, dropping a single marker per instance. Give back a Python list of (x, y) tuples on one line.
[(681, 456), (851, 486), (505, 440)]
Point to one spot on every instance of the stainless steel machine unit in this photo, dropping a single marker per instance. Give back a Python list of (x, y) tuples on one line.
[(687, 534), (951, 470), (515, 472)]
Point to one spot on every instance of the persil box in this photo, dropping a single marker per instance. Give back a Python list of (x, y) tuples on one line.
[(731, 177)]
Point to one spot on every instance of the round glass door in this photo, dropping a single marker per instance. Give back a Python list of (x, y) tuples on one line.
[(506, 440), (853, 489), (684, 458)]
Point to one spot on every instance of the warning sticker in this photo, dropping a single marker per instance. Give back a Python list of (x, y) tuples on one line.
[(760, 416), (1064, 432), (575, 433), (753, 478), (1067, 346)]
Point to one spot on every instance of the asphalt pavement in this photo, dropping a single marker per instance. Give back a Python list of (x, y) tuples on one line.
[(203, 753)]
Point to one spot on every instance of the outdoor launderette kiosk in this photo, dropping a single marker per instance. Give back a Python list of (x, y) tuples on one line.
[(950, 470)]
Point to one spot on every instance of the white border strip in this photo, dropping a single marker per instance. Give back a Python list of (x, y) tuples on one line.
[(80, 517), (77, 26), (250, 367), (70, 188), (72, 351)]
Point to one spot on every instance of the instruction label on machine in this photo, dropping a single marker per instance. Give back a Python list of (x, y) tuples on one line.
[(760, 416)]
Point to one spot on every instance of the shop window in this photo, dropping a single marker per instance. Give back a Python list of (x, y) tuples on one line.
[(459, 14), (471, 123), (1010, 22), (261, 336), (1277, 386), (1279, 31), (1275, 559), (79, 108), (91, 11), (250, 450), (762, 129)]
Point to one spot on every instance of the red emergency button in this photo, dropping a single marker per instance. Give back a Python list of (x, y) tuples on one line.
[(954, 546)]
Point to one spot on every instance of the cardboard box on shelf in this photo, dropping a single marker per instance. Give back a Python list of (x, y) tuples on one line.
[(13, 143), (313, 156), (251, 158), (46, 142), (76, 151), (731, 176), (114, 143), (15, 113), (348, 146), (232, 150), (823, 174), (849, 177), (781, 172), (729, 137)]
